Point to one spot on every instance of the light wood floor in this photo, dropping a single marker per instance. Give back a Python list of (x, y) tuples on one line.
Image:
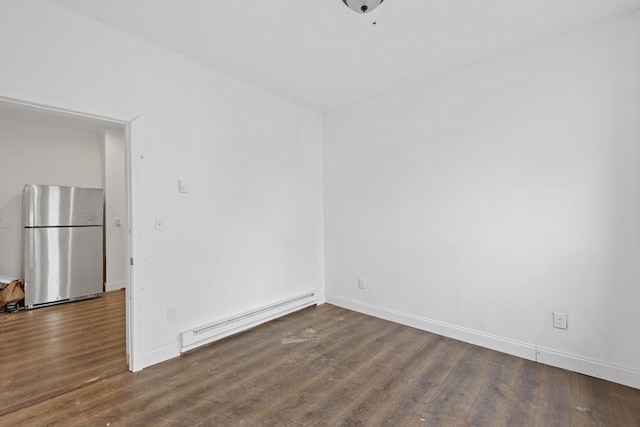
[(52, 350), (327, 366)]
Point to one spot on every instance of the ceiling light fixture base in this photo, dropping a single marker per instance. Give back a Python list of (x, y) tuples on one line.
[(362, 6)]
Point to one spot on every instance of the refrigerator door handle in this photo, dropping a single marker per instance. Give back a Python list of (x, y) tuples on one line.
[(31, 247)]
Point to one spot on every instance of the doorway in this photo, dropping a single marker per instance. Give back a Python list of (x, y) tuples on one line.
[(59, 147)]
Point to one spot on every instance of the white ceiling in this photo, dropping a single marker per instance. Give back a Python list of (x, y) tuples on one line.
[(321, 54)]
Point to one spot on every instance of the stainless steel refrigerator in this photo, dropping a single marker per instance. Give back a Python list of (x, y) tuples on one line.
[(63, 235)]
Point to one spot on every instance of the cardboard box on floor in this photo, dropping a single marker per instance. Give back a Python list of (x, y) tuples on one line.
[(12, 293)]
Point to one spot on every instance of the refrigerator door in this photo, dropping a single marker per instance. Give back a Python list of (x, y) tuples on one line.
[(52, 205), (62, 263)]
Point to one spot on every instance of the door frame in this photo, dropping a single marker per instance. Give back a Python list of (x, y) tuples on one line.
[(133, 333)]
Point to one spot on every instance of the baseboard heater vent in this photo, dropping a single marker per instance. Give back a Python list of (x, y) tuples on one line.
[(214, 331)]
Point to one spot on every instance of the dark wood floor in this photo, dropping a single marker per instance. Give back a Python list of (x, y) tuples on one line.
[(327, 366), (52, 350)]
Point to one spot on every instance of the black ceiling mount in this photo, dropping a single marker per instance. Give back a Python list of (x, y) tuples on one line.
[(362, 6)]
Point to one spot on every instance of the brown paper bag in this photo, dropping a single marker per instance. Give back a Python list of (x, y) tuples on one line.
[(12, 293)]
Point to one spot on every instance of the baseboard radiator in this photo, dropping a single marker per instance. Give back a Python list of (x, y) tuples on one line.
[(223, 328)]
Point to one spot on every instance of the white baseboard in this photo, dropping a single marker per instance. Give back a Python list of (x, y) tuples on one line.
[(114, 286), (159, 355), (594, 368), (516, 348), (321, 298)]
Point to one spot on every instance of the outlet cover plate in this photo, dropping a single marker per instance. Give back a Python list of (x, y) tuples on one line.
[(560, 320)]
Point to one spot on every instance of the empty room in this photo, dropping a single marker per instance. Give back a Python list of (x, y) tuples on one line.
[(399, 212)]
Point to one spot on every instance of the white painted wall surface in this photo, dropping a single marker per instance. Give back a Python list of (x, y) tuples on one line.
[(248, 233), (477, 203), (33, 152), (116, 234)]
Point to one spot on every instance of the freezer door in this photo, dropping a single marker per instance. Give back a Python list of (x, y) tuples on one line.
[(62, 263), (52, 205)]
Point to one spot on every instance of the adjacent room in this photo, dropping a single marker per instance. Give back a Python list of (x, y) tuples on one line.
[(46, 151), (334, 212)]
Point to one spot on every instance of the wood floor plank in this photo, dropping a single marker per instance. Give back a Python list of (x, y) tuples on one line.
[(326, 366), (48, 351)]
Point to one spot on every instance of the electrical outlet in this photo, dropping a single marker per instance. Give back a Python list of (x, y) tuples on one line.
[(560, 320), (362, 283), (171, 313)]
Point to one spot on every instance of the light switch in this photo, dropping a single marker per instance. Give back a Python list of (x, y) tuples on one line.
[(183, 186), (159, 224)]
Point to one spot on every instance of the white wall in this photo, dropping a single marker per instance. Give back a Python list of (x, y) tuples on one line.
[(33, 152), (115, 221), (248, 233), (477, 203)]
